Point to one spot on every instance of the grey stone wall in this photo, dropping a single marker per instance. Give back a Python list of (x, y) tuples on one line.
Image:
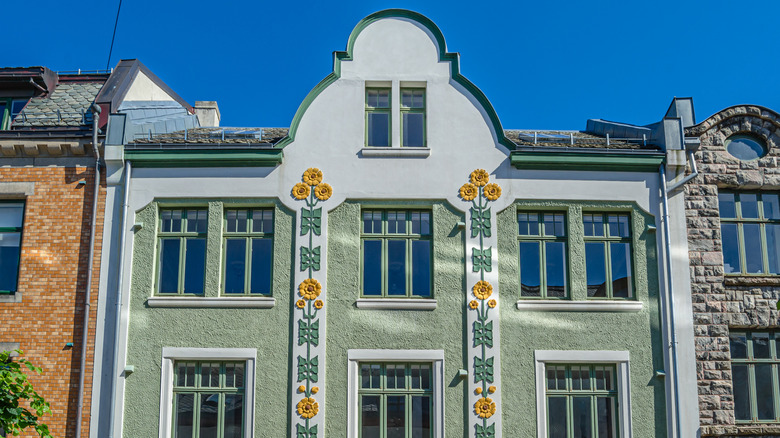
[(722, 303)]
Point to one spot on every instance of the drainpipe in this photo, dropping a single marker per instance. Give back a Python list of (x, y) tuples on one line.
[(694, 174), (115, 376), (670, 301), (88, 295)]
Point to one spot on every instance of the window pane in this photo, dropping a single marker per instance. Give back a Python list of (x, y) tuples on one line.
[(556, 269), (771, 206), (370, 418), (396, 417), (413, 129), (234, 415), (196, 221), (761, 346), (396, 267), (764, 392), (169, 265), (576, 380), (551, 378), (773, 247), (749, 205), (262, 256), (530, 282), (235, 265), (396, 222), (529, 224), (16, 107), (378, 98), (11, 215), (421, 416), (378, 129), (556, 417), (594, 224), (9, 260), (600, 378), (185, 374), (606, 417), (730, 248), (553, 225), (741, 392), (262, 221), (425, 375), (376, 375), (171, 221), (581, 425), (195, 266), (620, 253), (239, 373), (365, 376), (753, 258), (209, 409), (596, 270), (372, 222), (738, 344), (421, 268), (560, 377), (209, 375), (726, 205), (421, 223), (412, 98), (372, 267), (182, 424)]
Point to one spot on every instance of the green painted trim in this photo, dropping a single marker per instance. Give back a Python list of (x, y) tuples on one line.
[(568, 160), (444, 56), (205, 158)]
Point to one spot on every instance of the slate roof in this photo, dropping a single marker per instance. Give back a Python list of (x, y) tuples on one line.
[(525, 138), (67, 106)]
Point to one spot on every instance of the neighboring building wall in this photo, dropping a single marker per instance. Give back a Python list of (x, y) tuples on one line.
[(47, 312), (722, 303)]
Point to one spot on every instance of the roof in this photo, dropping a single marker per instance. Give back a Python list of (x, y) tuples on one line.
[(68, 106), (572, 139)]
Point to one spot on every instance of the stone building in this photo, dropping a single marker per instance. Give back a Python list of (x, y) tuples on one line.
[(397, 264), (733, 212)]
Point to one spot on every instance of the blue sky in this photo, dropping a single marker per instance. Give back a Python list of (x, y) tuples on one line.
[(543, 65)]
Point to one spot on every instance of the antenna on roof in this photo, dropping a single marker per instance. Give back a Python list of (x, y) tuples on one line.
[(108, 61)]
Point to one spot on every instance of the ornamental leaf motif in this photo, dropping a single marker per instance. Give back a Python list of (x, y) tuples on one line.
[(483, 333), (483, 370), (304, 432), (308, 370), (480, 222), (309, 333), (485, 431), (311, 220), (482, 259), (310, 258)]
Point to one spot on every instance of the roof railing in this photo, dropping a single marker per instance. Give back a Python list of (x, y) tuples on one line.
[(86, 72), (542, 137)]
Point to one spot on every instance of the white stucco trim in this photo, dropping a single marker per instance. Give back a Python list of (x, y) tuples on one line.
[(435, 357), (579, 306), (16, 189), (212, 302), (396, 304), (395, 152), (619, 358), (169, 354)]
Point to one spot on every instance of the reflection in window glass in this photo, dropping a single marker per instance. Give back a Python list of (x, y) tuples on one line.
[(248, 251), (746, 147), (750, 223), (582, 404), (608, 255), (209, 399), (399, 404), (754, 363), (542, 255)]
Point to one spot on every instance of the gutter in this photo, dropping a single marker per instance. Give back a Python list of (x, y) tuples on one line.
[(115, 375), (694, 173), (88, 295)]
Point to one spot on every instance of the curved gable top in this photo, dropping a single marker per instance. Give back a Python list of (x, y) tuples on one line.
[(756, 111), (435, 34)]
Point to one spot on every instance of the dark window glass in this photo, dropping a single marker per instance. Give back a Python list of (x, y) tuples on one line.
[(596, 269), (396, 417), (421, 416), (169, 265), (764, 392), (556, 415), (530, 282), (556, 269), (621, 269), (396, 267), (262, 259), (234, 415), (741, 387), (212, 403), (730, 248), (184, 415), (727, 205), (195, 266), (370, 421), (378, 129), (372, 267), (773, 247), (738, 345), (543, 268), (606, 417), (10, 248), (235, 265), (746, 147), (749, 205), (414, 130), (421, 268), (209, 406), (754, 263)]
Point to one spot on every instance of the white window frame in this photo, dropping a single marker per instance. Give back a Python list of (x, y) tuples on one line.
[(171, 354), (434, 357), (618, 358)]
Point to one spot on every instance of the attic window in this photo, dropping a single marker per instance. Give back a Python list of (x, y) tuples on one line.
[(746, 147)]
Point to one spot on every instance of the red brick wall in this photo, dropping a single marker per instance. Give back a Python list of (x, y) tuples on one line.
[(52, 277)]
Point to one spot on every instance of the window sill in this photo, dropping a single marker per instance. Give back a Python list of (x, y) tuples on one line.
[(408, 152), (396, 303), (212, 302), (741, 429), (15, 297), (751, 280), (579, 306)]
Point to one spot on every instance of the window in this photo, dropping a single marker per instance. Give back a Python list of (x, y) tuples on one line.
[(746, 147), (412, 117), (543, 264), (378, 117), (248, 251), (396, 247), (9, 109), (182, 243), (11, 219), (750, 230), (581, 401), (395, 393), (754, 363), (395, 400), (608, 255)]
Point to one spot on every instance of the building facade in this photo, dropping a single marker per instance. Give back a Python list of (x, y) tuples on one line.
[(397, 264)]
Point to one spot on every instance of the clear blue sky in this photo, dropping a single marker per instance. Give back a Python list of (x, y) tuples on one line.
[(543, 64)]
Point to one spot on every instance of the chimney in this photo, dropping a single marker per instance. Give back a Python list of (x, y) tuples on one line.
[(208, 113)]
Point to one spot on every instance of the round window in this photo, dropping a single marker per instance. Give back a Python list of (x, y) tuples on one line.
[(746, 147)]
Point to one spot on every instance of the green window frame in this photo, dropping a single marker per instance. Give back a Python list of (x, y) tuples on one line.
[(248, 251), (182, 239), (396, 254), (608, 255), (208, 399), (754, 373), (413, 117), (378, 117), (11, 225), (9, 109), (395, 400), (543, 254), (750, 232), (581, 398)]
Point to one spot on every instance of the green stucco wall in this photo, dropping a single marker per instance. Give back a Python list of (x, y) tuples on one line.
[(151, 329), (522, 332), (351, 328)]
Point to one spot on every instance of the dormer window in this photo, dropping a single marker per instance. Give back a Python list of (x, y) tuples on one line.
[(9, 109), (395, 117)]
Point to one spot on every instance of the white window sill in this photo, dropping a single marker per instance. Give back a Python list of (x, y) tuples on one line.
[(212, 302), (396, 303), (579, 306), (408, 152)]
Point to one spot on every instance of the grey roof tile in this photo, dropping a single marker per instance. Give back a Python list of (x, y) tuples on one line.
[(65, 107)]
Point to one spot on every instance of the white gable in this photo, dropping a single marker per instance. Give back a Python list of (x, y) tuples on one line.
[(144, 89)]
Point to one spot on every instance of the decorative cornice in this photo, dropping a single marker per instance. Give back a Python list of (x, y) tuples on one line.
[(204, 158), (756, 111), (577, 160)]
